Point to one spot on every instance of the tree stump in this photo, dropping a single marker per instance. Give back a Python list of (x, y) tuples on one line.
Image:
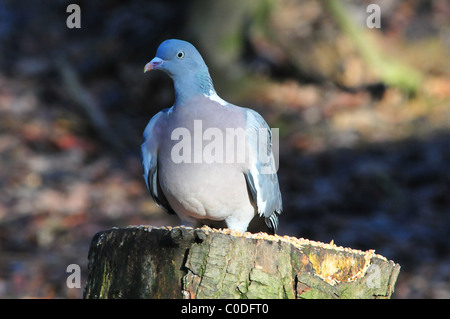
[(182, 262)]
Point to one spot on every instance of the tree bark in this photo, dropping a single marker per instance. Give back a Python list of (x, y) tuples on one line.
[(181, 262)]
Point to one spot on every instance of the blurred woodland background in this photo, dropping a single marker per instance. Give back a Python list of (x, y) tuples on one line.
[(364, 119)]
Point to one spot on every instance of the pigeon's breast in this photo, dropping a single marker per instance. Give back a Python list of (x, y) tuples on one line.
[(204, 177)]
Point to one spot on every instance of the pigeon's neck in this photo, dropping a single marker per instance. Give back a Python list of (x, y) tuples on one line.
[(188, 87)]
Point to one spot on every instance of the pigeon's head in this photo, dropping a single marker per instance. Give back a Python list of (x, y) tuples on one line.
[(182, 62), (177, 58)]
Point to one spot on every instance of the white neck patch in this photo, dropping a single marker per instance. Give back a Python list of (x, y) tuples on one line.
[(214, 97)]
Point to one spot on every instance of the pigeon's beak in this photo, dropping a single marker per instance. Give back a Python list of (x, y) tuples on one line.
[(153, 64)]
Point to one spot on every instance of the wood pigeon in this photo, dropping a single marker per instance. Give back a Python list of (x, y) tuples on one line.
[(207, 160)]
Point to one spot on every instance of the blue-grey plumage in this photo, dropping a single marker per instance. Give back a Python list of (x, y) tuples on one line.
[(261, 176), (206, 191)]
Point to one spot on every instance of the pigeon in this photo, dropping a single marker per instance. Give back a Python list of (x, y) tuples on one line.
[(204, 159)]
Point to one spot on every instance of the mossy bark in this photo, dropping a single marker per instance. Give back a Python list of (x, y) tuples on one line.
[(179, 262)]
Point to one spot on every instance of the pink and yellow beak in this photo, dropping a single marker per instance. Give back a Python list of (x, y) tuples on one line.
[(153, 64)]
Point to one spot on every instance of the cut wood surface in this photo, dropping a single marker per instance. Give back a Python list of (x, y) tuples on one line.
[(182, 262)]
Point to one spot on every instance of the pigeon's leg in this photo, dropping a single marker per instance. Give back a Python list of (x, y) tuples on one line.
[(239, 223)]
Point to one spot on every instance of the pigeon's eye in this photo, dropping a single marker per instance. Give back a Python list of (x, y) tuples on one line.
[(180, 54)]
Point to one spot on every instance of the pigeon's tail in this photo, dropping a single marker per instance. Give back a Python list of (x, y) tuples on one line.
[(272, 222)]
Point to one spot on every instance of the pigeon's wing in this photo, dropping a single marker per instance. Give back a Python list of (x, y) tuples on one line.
[(261, 173), (149, 151)]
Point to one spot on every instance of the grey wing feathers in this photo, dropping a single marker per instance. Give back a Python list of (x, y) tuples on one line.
[(150, 163), (261, 175)]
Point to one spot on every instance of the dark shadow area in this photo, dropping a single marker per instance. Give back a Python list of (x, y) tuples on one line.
[(391, 197)]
